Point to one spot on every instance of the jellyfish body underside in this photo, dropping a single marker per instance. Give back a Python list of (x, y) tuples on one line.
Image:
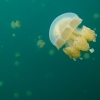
[(64, 32)]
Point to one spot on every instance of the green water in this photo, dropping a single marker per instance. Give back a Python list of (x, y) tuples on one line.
[(28, 72)]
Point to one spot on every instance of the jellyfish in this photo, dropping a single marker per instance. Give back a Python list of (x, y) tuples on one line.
[(40, 43), (65, 34), (15, 24)]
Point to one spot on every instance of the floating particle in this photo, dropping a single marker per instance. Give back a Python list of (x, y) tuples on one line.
[(13, 35), (2, 46), (49, 75), (43, 5), (39, 36), (91, 50), (94, 29), (86, 56), (93, 58)]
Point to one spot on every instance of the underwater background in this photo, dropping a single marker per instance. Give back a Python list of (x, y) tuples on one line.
[(31, 68)]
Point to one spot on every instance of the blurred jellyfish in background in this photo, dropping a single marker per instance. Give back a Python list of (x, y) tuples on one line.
[(28, 93), (13, 35), (40, 43), (16, 63), (17, 55), (15, 24), (96, 15), (51, 52), (1, 83), (64, 33), (16, 94)]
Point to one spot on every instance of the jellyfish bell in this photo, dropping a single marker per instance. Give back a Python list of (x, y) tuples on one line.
[(62, 27), (64, 31)]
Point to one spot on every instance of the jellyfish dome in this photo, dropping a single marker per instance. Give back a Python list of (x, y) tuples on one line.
[(64, 31)]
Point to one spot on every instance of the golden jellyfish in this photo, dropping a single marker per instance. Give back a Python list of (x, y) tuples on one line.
[(64, 33), (15, 24), (40, 43)]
